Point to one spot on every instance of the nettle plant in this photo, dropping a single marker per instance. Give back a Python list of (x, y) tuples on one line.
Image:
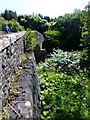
[(68, 62)]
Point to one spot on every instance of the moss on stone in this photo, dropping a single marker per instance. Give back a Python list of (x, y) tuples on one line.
[(23, 59)]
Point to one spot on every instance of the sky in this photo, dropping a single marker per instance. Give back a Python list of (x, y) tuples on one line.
[(51, 8)]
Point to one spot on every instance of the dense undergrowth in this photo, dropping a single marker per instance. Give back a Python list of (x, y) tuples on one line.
[(64, 87)]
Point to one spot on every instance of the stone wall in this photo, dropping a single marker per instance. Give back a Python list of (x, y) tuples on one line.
[(39, 38), (12, 49), (40, 54)]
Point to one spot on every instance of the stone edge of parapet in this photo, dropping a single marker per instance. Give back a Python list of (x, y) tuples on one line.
[(9, 39)]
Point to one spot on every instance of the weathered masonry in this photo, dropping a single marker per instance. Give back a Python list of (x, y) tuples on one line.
[(19, 87)]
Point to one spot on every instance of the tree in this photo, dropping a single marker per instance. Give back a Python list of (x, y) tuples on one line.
[(69, 27), (47, 18), (88, 26), (8, 15), (51, 41), (15, 26), (2, 21), (34, 22), (86, 33)]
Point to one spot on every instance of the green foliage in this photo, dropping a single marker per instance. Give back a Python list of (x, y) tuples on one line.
[(30, 39), (85, 18), (8, 15), (13, 24), (51, 41), (33, 22), (68, 62), (1, 22), (51, 33), (64, 96), (69, 27)]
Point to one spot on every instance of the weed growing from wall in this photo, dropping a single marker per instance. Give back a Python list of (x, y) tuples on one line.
[(30, 39)]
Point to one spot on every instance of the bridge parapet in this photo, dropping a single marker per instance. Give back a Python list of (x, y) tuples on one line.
[(12, 49), (40, 54)]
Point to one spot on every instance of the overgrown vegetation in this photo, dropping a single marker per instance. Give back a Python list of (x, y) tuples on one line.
[(30, 39), (63, 89), (68, 62), (13, 24)]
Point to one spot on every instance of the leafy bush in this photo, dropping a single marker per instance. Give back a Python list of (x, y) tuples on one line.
[(63, 96), (2, 20), (64, 61), (51, 40), (13, 25), (30, 39)]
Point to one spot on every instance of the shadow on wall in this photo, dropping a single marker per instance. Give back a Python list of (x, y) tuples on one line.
[(40, 54)]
